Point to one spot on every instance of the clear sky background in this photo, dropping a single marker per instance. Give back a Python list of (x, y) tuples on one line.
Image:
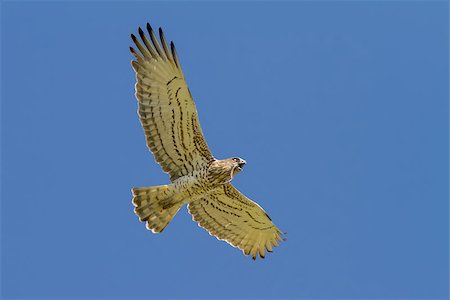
[(339, 108)]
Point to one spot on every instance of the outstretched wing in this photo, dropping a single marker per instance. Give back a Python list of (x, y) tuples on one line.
[(166, 108), (232, 217)]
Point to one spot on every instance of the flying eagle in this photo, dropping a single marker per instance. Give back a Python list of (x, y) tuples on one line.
[(168, 115)]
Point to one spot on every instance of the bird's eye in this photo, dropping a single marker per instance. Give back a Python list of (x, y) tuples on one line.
[(236, 159)]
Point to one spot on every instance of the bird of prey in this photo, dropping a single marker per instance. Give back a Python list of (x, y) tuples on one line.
[(168, 115)]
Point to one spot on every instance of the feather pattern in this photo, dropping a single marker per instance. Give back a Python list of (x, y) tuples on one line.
[(230, 216), (166, 109)]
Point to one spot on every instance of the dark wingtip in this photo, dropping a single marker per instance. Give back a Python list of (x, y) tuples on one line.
[(132, 51), (174, 53), (149, 27), (140, 31), (133, 37), (161, 35), (172, 48)]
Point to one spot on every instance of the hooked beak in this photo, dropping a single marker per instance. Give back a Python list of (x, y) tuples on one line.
[(242, 163)]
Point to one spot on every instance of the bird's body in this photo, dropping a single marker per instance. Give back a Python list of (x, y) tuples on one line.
[(196, 184), (169, 118)]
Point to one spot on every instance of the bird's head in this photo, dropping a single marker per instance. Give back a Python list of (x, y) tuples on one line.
[(238, 164), (223, 170)]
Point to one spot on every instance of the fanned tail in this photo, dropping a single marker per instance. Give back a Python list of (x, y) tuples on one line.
[(156, 206)]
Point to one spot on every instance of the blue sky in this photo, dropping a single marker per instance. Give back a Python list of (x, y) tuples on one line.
[(339, 108)]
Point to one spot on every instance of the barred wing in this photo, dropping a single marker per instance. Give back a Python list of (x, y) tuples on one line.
[(232, 217), (166, 109)]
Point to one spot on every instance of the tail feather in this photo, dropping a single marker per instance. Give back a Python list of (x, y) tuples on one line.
[(151, 206)]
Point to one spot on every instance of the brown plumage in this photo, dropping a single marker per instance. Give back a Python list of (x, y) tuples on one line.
[(168, 115)]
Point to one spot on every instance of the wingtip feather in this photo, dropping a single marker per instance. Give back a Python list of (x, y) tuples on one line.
[(149, 27)]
